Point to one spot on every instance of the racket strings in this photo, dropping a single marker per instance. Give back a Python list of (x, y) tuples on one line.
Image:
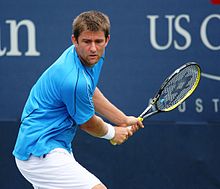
[(178, 87)]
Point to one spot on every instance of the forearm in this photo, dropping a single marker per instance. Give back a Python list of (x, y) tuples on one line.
[(104, 107), (98, 128), (95, 127)]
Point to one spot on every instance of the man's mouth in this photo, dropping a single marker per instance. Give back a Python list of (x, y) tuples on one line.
[(93, 56)]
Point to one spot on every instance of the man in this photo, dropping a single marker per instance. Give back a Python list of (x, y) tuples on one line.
[(66, 97)]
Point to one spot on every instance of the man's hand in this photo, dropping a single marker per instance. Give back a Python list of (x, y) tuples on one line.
[(134, 122), (121, 135), (123, 132)]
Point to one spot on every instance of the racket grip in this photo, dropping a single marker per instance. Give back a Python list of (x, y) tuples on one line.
[(113, 143), (140, 119)]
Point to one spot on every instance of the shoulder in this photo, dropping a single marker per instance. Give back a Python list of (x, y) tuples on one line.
[(64, 65)]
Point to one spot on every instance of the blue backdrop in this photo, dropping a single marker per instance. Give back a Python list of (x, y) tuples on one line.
[(149, 40)]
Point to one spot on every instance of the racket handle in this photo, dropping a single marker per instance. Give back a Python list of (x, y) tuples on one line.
[(113, 143), (140, 119)]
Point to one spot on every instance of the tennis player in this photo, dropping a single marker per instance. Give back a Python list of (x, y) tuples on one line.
[(64, 98)]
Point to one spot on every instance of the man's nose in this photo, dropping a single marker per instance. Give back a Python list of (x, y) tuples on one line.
[(93, 47)]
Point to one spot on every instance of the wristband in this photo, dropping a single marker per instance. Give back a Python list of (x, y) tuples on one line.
[(110, 133)]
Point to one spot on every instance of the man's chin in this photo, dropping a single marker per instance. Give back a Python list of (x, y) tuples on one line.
[(91, 63)]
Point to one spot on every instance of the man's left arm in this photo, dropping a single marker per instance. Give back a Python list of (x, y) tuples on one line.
[(111, 112)]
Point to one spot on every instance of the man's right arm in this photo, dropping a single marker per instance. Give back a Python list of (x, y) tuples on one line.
[(95, 126)]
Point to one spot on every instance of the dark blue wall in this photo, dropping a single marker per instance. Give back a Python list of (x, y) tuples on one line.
[(131, 58), (175, 150)]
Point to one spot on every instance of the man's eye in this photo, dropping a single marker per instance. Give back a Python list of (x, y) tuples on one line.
[(87, 42), (99, 41)]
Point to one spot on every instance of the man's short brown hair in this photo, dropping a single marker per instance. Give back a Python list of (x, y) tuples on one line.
[(91, 21)]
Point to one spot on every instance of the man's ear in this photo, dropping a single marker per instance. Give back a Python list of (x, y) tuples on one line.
[(74, 40), (107, 40)]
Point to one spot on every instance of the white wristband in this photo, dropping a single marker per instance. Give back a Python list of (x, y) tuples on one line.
[(111, 132)]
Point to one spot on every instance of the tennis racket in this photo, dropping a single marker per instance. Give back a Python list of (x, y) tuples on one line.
[(174, 90)]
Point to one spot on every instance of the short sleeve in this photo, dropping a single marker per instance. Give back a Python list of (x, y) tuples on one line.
[(77, 96)]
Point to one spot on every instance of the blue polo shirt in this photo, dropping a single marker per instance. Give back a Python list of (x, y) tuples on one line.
[(59, 101)]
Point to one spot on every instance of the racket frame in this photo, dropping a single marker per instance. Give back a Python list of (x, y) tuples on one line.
[(153, 103)]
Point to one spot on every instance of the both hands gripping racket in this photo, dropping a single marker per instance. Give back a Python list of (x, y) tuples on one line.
[(174, 90)]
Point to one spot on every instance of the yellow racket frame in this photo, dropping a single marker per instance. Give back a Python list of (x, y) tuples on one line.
[(188, 93)]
